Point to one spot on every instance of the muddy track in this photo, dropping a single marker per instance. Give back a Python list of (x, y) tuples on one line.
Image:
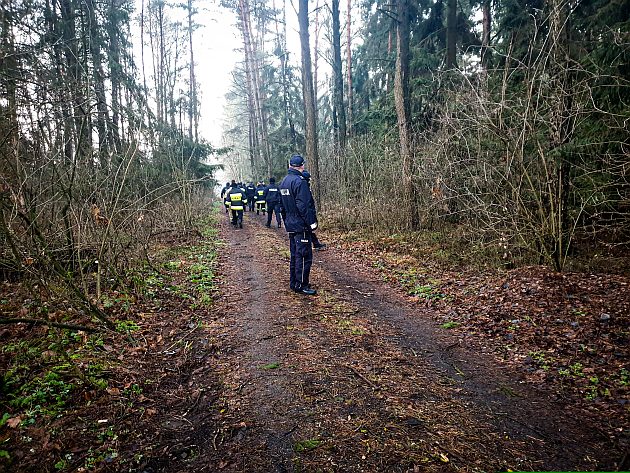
[(559, 439), (360, 378)]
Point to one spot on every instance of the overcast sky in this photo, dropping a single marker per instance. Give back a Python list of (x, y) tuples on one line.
[(215, 57), (216, 43)]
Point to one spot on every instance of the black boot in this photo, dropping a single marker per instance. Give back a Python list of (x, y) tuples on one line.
[(307, 291)]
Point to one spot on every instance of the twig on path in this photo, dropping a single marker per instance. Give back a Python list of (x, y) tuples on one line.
[(201, 391), (450, 452), (364, 294), (374, 386), (180, 339)]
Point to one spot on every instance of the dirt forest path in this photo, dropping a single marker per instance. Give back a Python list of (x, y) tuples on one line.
[(359, 378)]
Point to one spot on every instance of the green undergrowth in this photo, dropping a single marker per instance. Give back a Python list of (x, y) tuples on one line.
[(50, 374), (198, 263)]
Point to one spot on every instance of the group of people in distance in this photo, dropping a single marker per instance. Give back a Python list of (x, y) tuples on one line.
[(292, 203)]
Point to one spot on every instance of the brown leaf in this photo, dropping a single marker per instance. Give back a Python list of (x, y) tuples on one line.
[(14, 422)]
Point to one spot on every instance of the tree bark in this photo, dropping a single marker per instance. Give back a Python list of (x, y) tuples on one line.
[(339, 107), (485, 37), (451, 34), (75, 79), (98, 76), (309, 99), (193, 115), (403, 110), (254, 85), (349, 67)]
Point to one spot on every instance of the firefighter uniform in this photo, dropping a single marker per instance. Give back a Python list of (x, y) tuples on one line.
[(238, 200), (260, 198)]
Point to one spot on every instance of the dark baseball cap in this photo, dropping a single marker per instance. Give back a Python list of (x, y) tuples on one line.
[(296, 160)]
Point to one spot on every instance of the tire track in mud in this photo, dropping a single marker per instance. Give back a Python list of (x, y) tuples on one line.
[(257, 330), (360, 379), (553, 435)]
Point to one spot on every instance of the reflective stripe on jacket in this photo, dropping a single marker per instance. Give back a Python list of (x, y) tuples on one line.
[(237, 198)]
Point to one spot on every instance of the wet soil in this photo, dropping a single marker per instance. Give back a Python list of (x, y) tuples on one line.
[(360, 378)]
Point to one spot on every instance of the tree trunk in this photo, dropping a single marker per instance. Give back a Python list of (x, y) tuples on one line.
[(339, 108), (316, 56), (254, 85), (193, 116), (98, 76), (285, 84), (75, 79), (562, 125), (8, 71), (309, 99), (451, 34), (485, 38), (63, 114), (403, 110), (349, 68)]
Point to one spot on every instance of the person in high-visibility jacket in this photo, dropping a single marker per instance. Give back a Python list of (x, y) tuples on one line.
[(261, 205), (238, 200)]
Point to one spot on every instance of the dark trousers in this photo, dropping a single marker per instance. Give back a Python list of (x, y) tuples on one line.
[(301, 259), (271, 209), (237, 216), (260, 206), (315, 240), (250, 203)]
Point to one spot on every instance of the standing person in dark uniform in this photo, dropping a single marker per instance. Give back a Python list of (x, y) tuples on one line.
[(272, 198), (300, 221), (250, 191), (318, 245), (237, 199), (260, 199)]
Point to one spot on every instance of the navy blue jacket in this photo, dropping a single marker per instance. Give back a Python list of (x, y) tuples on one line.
[(272, 194), (297, 201), (250, 190)]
